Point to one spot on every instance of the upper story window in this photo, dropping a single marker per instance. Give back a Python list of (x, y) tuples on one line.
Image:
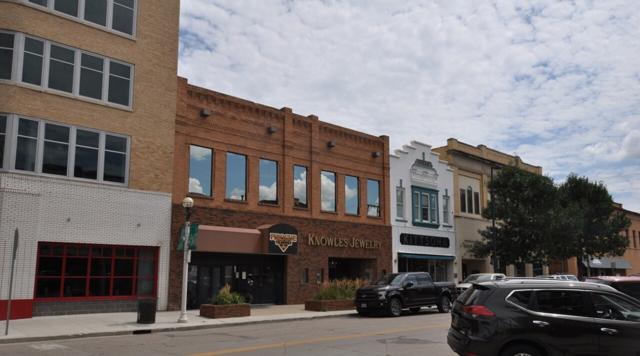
[(400, 202), (351, 195), (42, 147), (300, 187), (328, 191), (446, 207), (236, 183), (373, 197), (117, 15), (200, 170), (425, 206), (470, 201), (268, 190), (62, 69)]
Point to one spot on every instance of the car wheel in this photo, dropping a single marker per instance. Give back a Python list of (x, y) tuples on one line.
[(521, 350), (445, 304), (395, 307), (415, 310)]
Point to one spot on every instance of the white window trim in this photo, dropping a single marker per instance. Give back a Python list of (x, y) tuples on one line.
[(80, 18), (400, 213), (17, 66), (11, 150)]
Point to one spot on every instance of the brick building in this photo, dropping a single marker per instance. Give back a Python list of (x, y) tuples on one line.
[(87, 118), (284, 202)]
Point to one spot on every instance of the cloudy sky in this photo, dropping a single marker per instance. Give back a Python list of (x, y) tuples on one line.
[(556, 82)]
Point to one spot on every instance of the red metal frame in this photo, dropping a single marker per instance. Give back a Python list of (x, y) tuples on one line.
[(88, 277)]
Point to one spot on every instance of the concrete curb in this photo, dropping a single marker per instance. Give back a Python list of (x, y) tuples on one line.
[(166, 329)]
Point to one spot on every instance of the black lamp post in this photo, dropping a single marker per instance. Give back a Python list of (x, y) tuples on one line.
[(187, 204)]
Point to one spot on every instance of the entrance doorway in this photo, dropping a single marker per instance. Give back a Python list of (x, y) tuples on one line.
[(351, 268), (259, 278)]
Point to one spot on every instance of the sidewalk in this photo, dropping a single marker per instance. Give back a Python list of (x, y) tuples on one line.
[(86, 325)]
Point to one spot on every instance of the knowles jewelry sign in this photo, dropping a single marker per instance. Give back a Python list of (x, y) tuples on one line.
[(340, 242)]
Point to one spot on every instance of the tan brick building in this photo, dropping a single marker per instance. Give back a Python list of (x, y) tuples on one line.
[(87, 119), (473, 168), (257, 174)]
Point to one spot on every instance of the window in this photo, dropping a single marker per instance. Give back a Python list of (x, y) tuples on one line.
[(61, 64), (351, 195), (373, 197), (33, 58), (469, 200), (446, 208), (6, 55), (425, 206), (69, 7), (236, 183), (268, 190), (56, 149), (560, 302), (200, 170), (328, 191), (520, 298), (87, 152), (3, 134), (476, 203), (67, 69), (85, 271), (27, 143), (463, 200), (115, 159), (300, 187), (91, 73), (121, 16), (634, 232), (46, 147), (400, 203), (613, 307)]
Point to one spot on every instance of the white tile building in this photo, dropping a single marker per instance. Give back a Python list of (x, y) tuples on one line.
[(422, 212)]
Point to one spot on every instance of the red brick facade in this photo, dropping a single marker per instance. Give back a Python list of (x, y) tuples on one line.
[(258, 131)]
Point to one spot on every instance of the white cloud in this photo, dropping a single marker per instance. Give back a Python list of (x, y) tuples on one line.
[(556, 82), (300, 187), (195, 186), (269, 193), (237, 194), (328, 189), (200, 153)]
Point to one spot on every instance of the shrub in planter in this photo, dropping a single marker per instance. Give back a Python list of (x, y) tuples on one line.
[(226, 304), (335, 295)]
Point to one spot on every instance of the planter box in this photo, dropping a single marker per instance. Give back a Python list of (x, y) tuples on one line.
[(329, 305), (225, 311)]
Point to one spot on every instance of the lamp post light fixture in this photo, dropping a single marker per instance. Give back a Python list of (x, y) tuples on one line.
[(187, 204)]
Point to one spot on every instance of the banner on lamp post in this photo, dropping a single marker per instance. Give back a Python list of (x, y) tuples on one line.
[(193, 237)]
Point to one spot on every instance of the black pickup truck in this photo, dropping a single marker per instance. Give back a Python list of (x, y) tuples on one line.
[(398, 291)]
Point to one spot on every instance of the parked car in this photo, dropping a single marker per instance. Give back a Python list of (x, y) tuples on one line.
[(562, 277), (544, 317), (398, 291), (627, 285), (477, 278)]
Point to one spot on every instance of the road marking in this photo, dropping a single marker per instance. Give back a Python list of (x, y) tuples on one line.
[(48, 347), (314, 341)]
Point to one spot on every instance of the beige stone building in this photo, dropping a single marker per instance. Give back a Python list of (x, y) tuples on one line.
[(87, 119), (473, 167)]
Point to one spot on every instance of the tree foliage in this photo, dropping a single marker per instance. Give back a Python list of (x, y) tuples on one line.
[(537, 221)]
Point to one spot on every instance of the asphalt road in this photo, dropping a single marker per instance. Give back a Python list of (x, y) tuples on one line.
[(421, 334)]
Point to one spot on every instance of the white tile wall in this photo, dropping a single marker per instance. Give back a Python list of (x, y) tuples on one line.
[(51, 209)]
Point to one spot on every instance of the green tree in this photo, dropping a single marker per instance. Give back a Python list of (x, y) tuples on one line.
[(524, 207), (594, 225)]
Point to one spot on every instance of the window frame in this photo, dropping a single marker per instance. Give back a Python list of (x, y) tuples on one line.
[(335, 192), (446, 208), (265, 202), (14, 56), (306, 186), (10, 152), (533, 302), (18, 66), (400, 192), (246, 176), (211, 173), (88, 276), (416, 219), (108, 27), (379, 206)]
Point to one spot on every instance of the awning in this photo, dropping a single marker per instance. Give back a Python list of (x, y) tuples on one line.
[(229, 239), (425, 257), (608, 262)]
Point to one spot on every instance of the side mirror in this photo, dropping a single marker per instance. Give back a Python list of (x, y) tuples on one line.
[(408, 284)]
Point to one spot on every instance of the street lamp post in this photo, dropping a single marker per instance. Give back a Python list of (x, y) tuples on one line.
[(187, 204), (496, 267)]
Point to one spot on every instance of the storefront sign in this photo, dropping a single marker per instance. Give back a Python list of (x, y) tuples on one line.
[(333, 241), (422, 240), (283, 238)]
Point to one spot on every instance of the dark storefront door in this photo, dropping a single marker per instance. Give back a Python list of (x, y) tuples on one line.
[(259, 278)]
